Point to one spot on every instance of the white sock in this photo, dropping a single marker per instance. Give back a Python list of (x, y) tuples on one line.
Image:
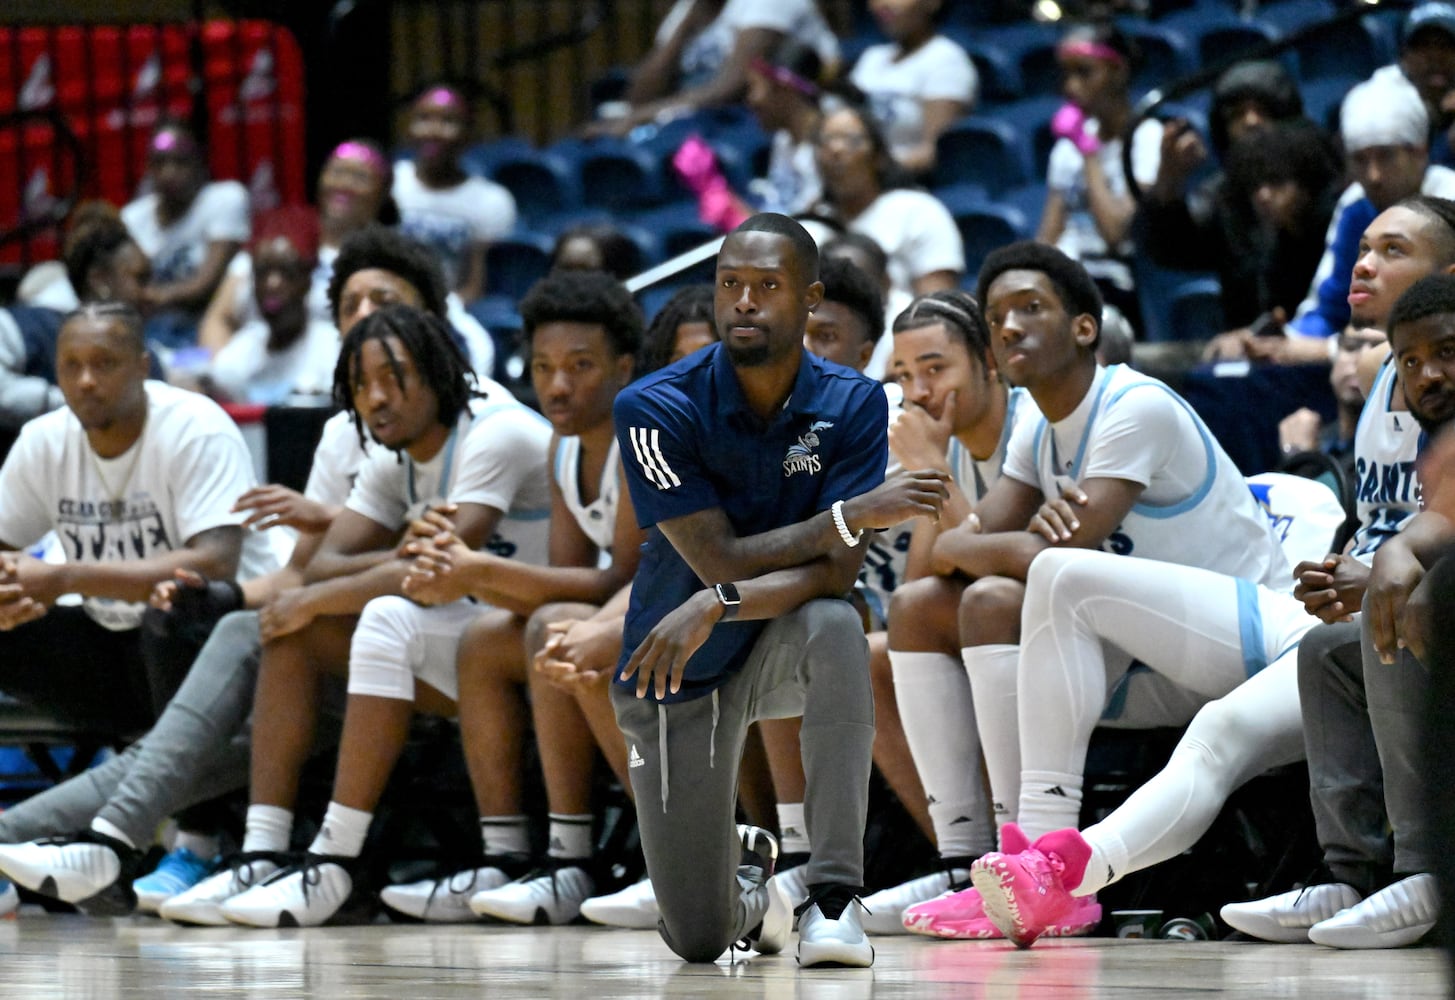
[(570, 836), (1049, 801), (343, 831), (992, 671), (504, 835), (1110, 860), (267, 828), (939, 724), (111, 830), (793, 829), (200, 844)]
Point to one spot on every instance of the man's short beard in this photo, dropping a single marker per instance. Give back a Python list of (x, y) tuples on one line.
[(750, 356)]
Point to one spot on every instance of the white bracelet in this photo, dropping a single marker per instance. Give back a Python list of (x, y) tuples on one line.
[(850, 539)]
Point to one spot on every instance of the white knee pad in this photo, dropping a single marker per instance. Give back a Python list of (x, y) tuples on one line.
[(379, 656)]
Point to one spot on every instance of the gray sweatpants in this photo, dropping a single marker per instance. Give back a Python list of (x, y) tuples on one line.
[(197, 750), (684, 757), (1363, 728)]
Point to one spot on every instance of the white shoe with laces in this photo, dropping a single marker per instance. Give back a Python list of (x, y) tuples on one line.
[(1395, 916), (634, 907), (443, 900), (1287, 917), (547, 896), (202, 904), (833, 940), (885, 908), (321, 890)]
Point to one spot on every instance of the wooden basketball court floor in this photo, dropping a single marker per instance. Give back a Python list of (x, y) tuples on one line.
[(140, 958)]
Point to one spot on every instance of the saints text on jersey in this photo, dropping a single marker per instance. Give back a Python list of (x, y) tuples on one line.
[(801, 457)]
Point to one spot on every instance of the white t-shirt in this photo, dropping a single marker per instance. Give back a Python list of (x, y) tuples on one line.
[(451, 220), (336, 460), (792, 184), (1195, 509), (181, 478), (247, 372), (916, 231), (496, 457), (938, 70), (704, 54), (1066, 175), (219, 213)]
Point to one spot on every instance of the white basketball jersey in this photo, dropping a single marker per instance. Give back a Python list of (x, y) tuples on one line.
[(598, 518), (1387, 486), (887, 556), (1213, 523)]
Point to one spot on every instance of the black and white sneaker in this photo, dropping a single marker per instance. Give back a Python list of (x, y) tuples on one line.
[(88, 869)]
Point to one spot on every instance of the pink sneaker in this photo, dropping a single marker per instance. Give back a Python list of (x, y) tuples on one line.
[(1027, 892), (961, 916)]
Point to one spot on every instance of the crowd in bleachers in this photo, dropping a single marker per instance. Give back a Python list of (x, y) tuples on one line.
[(541, 492)]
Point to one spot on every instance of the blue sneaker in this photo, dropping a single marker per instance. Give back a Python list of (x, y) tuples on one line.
[(9, 898), (179, 871)]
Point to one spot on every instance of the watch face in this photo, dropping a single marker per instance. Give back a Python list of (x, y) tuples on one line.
[(728, 593)]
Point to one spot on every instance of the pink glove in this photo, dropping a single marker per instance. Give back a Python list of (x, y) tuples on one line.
[(1070, 122), (696, 164), (716, 206)]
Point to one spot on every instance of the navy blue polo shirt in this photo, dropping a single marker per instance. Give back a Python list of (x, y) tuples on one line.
[(690, 442)]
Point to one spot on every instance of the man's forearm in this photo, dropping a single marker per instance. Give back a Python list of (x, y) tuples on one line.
[(333, 565), (1006, 553), (347, 595)]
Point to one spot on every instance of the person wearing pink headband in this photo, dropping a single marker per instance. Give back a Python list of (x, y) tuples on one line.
[(1089, 210), (440, 204)]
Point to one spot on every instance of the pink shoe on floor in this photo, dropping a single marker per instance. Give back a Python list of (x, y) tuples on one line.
[(961, 916), (1026, 893)]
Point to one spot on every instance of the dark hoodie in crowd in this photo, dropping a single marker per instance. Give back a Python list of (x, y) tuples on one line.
[(1214, 228)]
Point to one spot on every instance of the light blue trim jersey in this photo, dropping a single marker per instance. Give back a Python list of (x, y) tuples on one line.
[(597, 518), (1387, 485), (1195, 508)]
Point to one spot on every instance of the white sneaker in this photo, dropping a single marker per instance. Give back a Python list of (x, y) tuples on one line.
[(1286, 918), (9, 898), (305, 895), (634, 907), (443, 900), (65, 869), (793, 882), (202, 904), (1393, 917), (823, 940), (549, 896), (884, 910)]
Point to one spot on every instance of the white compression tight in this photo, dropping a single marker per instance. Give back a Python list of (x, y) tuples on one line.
[(397, 641), (1088, 615), (1254, 727)]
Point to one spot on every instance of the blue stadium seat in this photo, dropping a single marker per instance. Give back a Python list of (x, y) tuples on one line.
[(482, 158), (1323, 98), (986, 227), (1355, 48), (1195, 310), (999, 74), (541, 182), (984, 151), (1031, 118), (516, 262), (1166, 54), (619, 178)]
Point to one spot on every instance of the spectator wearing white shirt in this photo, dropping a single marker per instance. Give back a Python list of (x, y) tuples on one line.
[(918, 82)]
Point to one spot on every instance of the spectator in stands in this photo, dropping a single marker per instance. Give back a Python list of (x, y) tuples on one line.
[(1427, 60), (597, 246), (103, 263), (138, 480), (189, 228), (1305, 430), (454, 214), (865, 191), (869, 257), (684, 324), (918, 82), (200, 746), (1089, 209), (286, 351), (353, 191), (1385, 129), (1216, 227), (703, 51)]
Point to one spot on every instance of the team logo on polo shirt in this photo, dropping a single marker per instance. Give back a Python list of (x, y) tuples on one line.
[(801, 456)]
